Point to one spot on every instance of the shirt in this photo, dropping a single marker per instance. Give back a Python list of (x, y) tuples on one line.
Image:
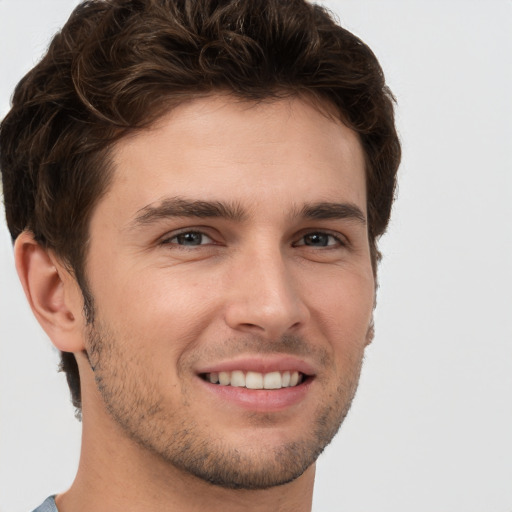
[(47, 506)]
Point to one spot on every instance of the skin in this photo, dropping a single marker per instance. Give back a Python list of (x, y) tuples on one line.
[(271, 282)]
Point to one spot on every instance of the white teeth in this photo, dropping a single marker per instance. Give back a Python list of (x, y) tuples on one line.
[(272, 380), (256, 380), (238, 379), (224, 378)]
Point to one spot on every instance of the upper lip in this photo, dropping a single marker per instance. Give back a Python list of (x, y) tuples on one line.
[(260, 364)]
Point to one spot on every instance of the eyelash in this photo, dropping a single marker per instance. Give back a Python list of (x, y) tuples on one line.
[(339, 241), (169, 240)]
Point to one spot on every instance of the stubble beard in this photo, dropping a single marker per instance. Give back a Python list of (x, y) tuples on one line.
[(139, 408)]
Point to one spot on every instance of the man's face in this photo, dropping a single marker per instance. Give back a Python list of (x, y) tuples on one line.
[(232, 246)]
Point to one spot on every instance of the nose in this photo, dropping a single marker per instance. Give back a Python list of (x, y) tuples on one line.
[(265, 296)]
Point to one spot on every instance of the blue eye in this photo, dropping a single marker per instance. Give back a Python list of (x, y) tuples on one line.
[(190, 239)]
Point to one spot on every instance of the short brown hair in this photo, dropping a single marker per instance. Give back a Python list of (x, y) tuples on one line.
[(117, 65)]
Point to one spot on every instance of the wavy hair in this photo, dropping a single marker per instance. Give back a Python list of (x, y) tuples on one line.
[(118, 65)]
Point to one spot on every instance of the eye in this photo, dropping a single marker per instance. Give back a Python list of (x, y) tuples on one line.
[(319, 239), (189, 239)]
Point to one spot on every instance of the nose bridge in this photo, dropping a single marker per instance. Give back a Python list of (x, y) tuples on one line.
[(266, 297)]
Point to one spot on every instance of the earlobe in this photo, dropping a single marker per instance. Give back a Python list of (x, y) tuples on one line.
[(52, 293)]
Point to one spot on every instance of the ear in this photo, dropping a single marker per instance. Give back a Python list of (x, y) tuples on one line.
[(52, 292), (370, 333)]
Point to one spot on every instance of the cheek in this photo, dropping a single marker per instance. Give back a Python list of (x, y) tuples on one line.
[(166, 310), (343, 309), (153, 324)]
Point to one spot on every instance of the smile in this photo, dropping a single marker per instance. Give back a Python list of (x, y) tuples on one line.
[(256, 380)]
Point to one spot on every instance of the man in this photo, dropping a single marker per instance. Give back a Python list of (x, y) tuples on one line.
[(195, 190)]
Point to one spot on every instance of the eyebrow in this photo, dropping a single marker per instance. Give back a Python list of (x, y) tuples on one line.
[(327, 210), (181, 207)]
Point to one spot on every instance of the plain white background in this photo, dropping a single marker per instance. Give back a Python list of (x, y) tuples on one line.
[(431, 427)]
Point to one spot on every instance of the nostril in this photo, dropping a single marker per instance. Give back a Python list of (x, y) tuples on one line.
[(252, 326)]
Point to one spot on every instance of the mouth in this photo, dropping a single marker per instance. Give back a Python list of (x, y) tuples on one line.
[(256, 380), (259, 383)]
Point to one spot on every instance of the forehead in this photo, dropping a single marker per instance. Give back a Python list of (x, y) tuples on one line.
[(219, 148)]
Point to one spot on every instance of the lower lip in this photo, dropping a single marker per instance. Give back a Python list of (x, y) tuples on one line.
[(260, 400)]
